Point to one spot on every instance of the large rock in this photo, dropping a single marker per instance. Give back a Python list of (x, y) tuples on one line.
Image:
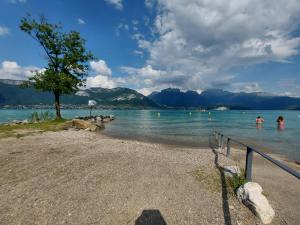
[(230, 171), (96, 127), (251, 195), (81, 124)]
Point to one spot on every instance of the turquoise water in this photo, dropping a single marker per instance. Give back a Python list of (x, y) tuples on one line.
[(193, 127)]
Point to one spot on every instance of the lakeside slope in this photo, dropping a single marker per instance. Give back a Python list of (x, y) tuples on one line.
[(78, 177)]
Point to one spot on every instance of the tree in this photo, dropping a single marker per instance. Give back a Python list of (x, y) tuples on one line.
[(66, 55)]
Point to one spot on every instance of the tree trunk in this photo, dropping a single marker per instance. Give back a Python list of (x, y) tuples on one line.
[(57, 105)]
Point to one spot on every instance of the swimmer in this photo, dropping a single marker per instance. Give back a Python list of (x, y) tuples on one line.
[(280, 123), (259, 120)]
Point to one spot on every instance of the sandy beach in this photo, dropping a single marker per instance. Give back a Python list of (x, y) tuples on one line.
[(80, 177)]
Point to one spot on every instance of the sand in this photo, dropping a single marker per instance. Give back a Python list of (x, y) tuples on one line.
[(79, 177)]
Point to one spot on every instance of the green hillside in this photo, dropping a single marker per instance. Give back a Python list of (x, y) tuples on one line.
[(11, 94)]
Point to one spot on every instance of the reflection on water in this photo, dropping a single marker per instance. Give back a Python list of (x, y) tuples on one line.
[(192, 127)]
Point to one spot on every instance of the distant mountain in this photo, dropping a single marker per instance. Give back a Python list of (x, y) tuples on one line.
[(11, 94), (215, 97)]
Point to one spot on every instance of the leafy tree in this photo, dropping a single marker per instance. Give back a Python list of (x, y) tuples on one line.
[(66, 55)]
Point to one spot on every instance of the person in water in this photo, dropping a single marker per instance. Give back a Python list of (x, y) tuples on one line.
[(259, 120), (280, 123)]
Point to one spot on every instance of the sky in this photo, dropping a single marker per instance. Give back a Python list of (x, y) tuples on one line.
[(150, 45)]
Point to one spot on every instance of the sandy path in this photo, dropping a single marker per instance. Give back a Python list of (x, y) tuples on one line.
[(77, 177)]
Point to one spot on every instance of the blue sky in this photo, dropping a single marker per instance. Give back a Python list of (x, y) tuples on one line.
[(149, 45)]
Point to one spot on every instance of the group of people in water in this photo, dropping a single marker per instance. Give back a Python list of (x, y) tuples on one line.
[(280, 122)]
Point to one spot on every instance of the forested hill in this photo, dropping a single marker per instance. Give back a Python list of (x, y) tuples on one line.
[(11, 94)]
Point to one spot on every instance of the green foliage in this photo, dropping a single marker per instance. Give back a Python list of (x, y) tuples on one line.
[(20, 130), (34, 117), (42, 116), (66, 54), (236, 181)]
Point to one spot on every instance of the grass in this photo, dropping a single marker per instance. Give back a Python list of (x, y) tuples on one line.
[(20, 130), (210, 180), (236, 181)]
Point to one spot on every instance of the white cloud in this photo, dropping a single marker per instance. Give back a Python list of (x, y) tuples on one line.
[(18, 1), (246, 87), (100, 81), (116, 3), (289, 87), (100, 67), (11, 70), (149, 3), (3, 31), (101, 76), (121, 27), (199, 42), (81, 21)]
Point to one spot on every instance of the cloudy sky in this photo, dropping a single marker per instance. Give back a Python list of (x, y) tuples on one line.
[(148, 45)]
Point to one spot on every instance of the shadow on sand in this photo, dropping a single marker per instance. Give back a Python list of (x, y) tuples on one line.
[(150, 217), (226, 210)]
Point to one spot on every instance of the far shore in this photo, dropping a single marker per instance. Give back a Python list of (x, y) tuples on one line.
[(90, 178)]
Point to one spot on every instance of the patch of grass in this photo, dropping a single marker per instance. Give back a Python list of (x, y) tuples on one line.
[(210, 180), (236, 181), (20, 130)]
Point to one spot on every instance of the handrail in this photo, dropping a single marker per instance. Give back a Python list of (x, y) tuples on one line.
[(248, 170)]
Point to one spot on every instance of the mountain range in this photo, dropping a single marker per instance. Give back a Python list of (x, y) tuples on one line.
[(212, 98), (11, 95)]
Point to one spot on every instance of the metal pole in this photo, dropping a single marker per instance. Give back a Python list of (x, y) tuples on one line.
[(228, 147), (222, 141), (249, 159)]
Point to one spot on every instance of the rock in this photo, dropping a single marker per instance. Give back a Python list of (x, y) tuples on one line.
[(100, 125), (16, 122), (65, 126), (81, 124), (250, 194), (230, 171), (106, 120), (94, 128), (25, 122)]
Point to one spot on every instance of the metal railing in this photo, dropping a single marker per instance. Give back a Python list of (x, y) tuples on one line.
[(249, 156)]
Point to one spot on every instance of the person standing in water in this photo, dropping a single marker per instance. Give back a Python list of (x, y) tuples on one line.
[(259, 120), (280, 123)]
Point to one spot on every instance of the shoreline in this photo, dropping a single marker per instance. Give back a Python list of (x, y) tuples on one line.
[(278, 156)]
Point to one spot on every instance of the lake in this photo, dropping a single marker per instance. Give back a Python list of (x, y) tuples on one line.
[(192, 128)]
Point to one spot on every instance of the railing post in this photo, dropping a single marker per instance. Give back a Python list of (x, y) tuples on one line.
[(249, 159), (222, 141), (228, 147)]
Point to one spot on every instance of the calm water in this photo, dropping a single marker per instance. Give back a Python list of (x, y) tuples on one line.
[(193, 127)]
